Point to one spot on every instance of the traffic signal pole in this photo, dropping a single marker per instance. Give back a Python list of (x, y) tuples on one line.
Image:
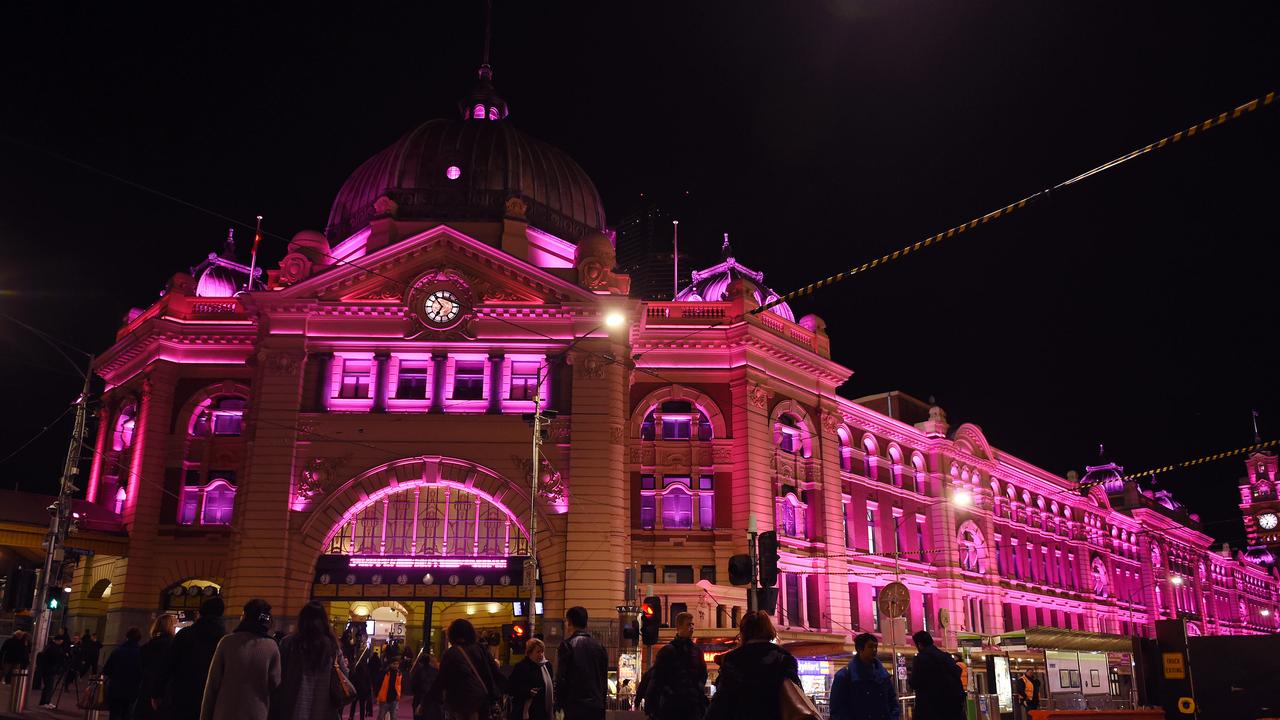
[(755, 569), (59, 522)]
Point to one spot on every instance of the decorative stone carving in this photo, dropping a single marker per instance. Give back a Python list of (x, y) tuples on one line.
[(720, 455), (595, 261), (516, 208), (560, 431), (615, 434), (831, 421), (589, 366), (490, 293), (295, 267), (550, 483), (280, 363), (674, 458), (637, 454), (306, 428), (384, 205), (758, 396), (316, 478)]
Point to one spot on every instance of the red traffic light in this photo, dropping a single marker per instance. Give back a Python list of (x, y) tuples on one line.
[(518, 631), (646, 610)]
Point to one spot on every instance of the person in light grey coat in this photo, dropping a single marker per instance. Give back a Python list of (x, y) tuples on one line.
[(245, 670)]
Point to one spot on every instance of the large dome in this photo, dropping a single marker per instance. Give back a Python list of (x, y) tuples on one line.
[(467, 170)]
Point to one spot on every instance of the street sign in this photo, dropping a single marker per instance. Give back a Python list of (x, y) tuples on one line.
[(895, 600), (1174, 668)]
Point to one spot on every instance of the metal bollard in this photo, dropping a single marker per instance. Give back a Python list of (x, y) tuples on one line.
[(21, 685)]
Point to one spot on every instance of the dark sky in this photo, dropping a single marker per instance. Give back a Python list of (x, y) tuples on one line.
[(1138, 309)]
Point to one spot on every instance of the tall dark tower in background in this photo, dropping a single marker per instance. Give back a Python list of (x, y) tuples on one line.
[(645, 246)]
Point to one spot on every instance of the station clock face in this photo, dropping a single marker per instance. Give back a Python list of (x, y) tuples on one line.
[(1267, 521), (442, 307)]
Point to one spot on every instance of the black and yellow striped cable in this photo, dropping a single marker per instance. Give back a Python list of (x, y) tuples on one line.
[(1199, 128)]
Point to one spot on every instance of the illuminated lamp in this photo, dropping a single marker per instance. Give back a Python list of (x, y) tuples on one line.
[(67, 590), (1266, 612), (614, 319), (962, 498), (493, 608), (1176, 579), (453, 172), (471, 609), (360, 610)]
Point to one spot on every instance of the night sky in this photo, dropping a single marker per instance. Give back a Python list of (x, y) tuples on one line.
[(1137, 310)]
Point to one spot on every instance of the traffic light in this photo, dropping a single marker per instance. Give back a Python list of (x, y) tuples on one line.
[(650, 619), (515, 635), (767, 551), (767, 599), (54, 599), (740, 570), (631, 633)]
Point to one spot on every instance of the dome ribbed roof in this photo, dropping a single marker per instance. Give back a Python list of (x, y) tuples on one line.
[(1109, 476), (712, 284), (467, 170)]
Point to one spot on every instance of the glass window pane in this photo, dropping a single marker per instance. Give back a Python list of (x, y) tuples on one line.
[(218, 502), (468, 380), (677, 510), (411, 381), (706, 511), (647, 511)]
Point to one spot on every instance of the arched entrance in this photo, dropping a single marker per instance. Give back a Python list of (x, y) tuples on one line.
[(432, 540)]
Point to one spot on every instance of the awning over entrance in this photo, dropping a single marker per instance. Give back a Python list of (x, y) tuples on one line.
[(1048, 638)]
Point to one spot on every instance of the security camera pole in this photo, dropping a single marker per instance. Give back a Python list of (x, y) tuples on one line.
[(59, 524)]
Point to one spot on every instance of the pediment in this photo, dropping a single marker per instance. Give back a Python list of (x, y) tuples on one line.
[(493, 277)]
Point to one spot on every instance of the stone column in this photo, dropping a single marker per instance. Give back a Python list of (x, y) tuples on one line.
[(439, 363), (381, 361), (263, 539), (495, 383), (830, 503), (324, 382), (942, 527), (134, 596), (598, 543)]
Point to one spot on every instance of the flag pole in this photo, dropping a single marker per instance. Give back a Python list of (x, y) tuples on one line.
[(675, 258), (253, 255)]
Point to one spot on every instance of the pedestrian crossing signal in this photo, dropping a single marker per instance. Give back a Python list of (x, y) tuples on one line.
[(650, 619)]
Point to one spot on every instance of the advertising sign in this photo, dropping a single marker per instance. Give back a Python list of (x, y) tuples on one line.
[(1004, 683)]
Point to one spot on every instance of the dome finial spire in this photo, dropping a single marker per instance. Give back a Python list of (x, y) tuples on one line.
[(484, 103), (726, 252)]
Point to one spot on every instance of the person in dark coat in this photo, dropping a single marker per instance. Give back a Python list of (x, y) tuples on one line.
[(51, 663), (153, 657), (422, 677), (307, 659), (864, 689), (178, 687), (15, 654), (468, 681), (752, 674), (124, 675), (936, 679), (531, 685), (582, 678), (676, 690), (90, 649)]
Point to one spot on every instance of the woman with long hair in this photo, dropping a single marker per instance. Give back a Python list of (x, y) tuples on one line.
[(467, 684), (750, 683), (307, 659), (153, 660)]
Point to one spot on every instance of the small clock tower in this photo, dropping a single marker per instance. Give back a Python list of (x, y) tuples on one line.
[(1260, 503)]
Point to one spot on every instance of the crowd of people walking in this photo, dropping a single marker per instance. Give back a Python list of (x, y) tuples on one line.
[(204, 673)]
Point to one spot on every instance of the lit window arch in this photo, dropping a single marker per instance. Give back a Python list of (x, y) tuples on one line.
[(973, 547), (1100, 580), (220, 415), (846, 449), (922, 475), (870, 455), (125, 425), (791, 516), (793, 429), (681, 503), (477, 112), (643, 419)]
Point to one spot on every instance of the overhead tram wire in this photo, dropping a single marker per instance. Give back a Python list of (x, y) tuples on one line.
[(1184, 464), (1267, 100)]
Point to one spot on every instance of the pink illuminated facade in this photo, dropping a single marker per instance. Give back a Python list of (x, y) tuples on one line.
[(350, 429)]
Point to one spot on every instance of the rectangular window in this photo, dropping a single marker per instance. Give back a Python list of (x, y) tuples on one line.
[(1017, 564), (920, 538), (524, 379), (190, 506), (228, 419), (794, 611), (677, 510), (357, 376), (677, 574), (676, 609), (468, 380), (648, 511), (675, 428), (706, 511), (648, 574), (999, 559), (875, 609), (708, 573), (897, 535), (844, 520), (411, 383), (871, 531), (813, 600), (927, 612)]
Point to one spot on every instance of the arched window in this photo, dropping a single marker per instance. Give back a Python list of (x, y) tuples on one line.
[(211, 503), (677, 509), (677, 420), (869, 456), (846, 450), (222, 416), (922, 477), (676, 502), (477, 112), (973, 550), (788, 434), (126, 424), (1099, 573)]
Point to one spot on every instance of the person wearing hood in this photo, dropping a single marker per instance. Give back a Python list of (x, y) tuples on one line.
[(864, 690), (245, 670), (179, 683), (750, 683), (124, 675), (675, 691)]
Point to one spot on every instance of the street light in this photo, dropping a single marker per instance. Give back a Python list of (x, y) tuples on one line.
[(962, 498), (1176, 579), (614, 319)]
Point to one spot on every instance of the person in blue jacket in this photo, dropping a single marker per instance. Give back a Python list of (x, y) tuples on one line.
[(864, 690)]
